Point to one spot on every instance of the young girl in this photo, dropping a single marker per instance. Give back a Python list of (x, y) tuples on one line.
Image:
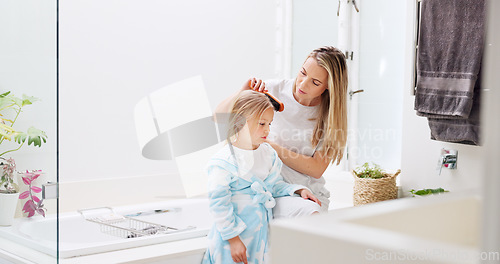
[(244, 178)]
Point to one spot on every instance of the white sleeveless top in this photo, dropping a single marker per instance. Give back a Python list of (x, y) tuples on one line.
[(293, 130)]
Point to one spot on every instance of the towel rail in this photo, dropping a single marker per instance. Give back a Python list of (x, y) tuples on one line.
[(416, 35)]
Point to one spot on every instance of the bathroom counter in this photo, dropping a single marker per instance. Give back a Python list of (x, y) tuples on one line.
[(184, 251)]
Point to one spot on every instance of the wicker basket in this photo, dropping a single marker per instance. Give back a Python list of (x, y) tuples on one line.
[(368, 190)]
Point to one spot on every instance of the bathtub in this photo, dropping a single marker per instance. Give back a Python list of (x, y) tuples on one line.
[(82, 241), (80, 237)]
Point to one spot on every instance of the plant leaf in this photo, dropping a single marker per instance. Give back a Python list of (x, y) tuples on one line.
[(36, 136), (36, 199), (26, 180), (429, 191), (36, 175), (20, 137), (27, 205), (31, 213), (438, 190), (32, 205), (24, 195), (30, 208), (41, 211), (27, 100), (5, 100), (5, 127), (16, 100), (367, 171), (6, 131)]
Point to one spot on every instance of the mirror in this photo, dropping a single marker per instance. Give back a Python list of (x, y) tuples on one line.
[(114, 58), (122, 53)]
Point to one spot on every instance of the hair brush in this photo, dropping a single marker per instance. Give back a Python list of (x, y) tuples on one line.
[(277, 104)]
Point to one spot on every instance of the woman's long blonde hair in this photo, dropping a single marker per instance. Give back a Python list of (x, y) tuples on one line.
[(332, 117), (248, 104)]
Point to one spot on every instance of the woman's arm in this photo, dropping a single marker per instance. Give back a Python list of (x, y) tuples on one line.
[(251, 84), (225, 106), (313, 166)]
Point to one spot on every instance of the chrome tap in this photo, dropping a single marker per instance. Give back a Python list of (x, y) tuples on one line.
[(50, 190), (448, 159)]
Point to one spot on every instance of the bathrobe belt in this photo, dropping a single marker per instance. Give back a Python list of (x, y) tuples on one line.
[(260, 196)]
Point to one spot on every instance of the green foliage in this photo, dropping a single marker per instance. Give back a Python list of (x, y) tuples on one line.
[(35, 136), (7, 100), (427, 191), (10, 108), (367, 171)]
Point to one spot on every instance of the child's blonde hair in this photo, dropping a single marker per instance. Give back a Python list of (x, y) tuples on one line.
[(248, 104)]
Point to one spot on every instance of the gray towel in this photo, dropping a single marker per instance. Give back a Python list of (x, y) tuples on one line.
[(465, 130), (450, 50)]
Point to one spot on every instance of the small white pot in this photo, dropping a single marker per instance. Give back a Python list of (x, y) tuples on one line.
[(8, 203)]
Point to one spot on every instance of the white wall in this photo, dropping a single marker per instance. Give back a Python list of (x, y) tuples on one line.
[(491, 207), (28, 66), (114, 53), (420, 154)]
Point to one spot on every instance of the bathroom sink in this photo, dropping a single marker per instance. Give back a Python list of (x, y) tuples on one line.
[(454, 222), (436, 229)]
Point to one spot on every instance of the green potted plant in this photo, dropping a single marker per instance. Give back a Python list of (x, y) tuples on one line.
[(373, 184), (10, 109)]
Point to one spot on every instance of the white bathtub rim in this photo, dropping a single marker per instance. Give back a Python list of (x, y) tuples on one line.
[(68, 250)]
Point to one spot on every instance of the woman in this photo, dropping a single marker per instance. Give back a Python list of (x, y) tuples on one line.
[(311, 132)]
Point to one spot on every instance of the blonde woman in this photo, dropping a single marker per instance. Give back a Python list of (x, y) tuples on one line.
[(311, 132)]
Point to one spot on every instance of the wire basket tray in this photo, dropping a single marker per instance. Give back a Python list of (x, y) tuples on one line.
[(127, 227)]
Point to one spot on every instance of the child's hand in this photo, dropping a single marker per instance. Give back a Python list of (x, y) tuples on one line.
[(306, 194), (238, 250), (254, 84)]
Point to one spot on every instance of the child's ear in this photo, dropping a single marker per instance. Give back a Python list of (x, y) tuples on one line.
[(240, 122)]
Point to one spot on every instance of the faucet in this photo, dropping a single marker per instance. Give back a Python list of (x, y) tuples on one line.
[(448, 159), (50, 190)]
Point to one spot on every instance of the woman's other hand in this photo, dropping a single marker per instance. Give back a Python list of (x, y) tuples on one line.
[(306, 194), (238, 250), (255, 84)]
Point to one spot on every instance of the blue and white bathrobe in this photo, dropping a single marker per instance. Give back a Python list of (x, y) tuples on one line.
[(241, 199)]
